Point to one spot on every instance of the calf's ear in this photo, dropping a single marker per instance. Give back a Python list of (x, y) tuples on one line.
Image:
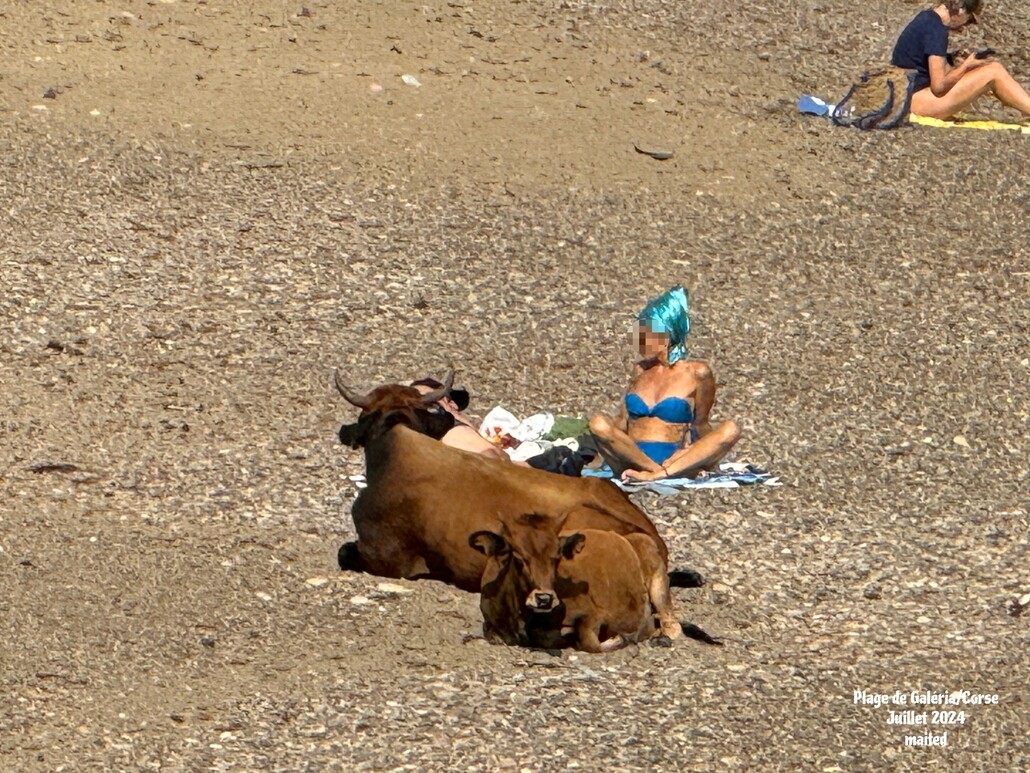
[(571, 544), (488, 543)]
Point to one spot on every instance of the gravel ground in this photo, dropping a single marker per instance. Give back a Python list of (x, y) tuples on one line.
[(173, 493)]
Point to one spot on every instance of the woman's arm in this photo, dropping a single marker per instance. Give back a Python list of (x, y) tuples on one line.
[(943, 76), (622, 415), (704, 397)]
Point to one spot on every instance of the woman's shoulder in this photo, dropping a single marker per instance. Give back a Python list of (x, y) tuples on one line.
[(682, 366), (690, 370), (651, 372)]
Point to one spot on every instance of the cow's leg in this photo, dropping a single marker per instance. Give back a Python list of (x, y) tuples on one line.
[(495, 635), (686, 578), (349, 558), (614, 643), (417, 569), (661, 600), (659, 639), (587, 639), (355, 557), (404, 566), (656, 577)]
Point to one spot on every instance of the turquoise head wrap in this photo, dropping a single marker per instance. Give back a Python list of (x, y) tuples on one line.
[(669, 313)]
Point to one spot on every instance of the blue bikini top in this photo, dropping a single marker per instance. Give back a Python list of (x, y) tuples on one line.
[(671, 410)]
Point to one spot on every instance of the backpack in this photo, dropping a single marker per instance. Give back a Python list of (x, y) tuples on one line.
[(880, 99)]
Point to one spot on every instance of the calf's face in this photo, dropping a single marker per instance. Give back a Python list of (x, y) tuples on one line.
[(522, 559)]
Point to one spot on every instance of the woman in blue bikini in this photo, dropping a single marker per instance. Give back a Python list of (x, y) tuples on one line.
[(662, 428)]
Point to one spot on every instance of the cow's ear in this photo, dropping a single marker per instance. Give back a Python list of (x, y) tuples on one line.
[(571, 544), (356, 434), (488, 543), (349, 435), (436, 424)]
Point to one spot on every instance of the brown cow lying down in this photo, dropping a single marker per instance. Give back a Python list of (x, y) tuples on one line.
[(544, 586), (424, 498)]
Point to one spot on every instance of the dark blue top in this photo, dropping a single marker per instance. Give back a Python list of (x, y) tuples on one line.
[(925, 36), (671, 410)]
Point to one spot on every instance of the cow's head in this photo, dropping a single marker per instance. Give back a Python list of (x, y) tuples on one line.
[(387, 406), (522, 559)]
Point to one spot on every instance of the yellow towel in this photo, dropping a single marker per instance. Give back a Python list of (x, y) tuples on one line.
[(974, 124)]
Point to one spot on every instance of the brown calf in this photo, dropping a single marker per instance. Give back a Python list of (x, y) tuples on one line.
[(608, 585)]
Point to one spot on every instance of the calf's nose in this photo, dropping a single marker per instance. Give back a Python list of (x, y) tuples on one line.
[(541, 600)]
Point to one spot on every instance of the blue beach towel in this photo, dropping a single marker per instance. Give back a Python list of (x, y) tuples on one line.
[(729, 475)]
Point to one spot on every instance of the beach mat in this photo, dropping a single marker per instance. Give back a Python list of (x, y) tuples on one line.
[(982, 125), (729, 475), (810, 105)]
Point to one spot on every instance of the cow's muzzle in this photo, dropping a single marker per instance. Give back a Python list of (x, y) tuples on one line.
[(542, 601)]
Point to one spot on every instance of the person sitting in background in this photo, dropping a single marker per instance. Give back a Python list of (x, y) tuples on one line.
[(941, 89), (465, 435), (662, 428)]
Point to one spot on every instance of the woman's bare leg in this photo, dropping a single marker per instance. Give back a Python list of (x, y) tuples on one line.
[(703, 454), (619, 449), (990, 78)]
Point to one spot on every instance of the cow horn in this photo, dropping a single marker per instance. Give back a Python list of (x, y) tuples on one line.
[(359, 401), (436, 394)]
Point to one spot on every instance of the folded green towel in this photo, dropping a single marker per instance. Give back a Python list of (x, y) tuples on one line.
[(567, 426)]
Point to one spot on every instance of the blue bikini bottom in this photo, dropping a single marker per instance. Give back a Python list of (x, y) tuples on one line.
[(657, 452)]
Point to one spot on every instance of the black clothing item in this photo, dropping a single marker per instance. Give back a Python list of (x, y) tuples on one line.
[(559, 459), (925, 36)]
